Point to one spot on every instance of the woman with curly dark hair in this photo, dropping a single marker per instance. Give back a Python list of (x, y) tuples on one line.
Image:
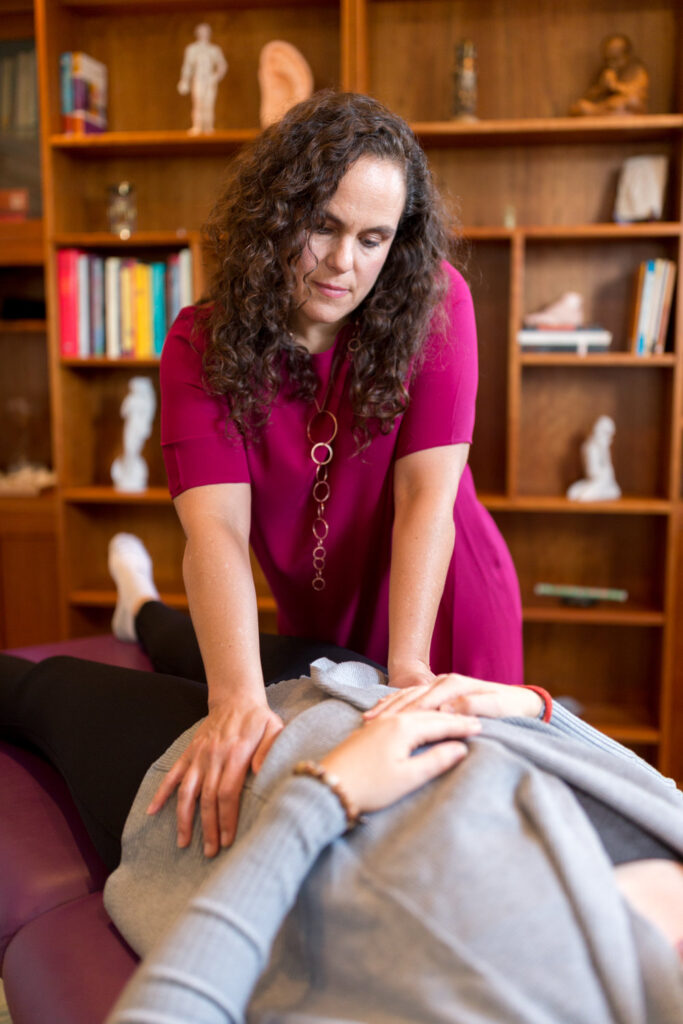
[(319, 404)]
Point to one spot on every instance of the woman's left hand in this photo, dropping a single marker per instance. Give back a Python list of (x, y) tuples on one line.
[(462, 695)]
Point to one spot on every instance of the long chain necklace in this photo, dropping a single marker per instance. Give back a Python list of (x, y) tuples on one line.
[(323, 421)]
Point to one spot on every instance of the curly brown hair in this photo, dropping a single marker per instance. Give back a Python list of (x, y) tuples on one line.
[(274, 196)]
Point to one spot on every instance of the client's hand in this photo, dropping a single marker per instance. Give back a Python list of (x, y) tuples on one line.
[(230, 740), (465, 695), (376, 766)]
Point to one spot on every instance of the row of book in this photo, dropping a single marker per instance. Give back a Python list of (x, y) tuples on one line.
[(18, 89), (119, 307), (653, 297), (83, 93)]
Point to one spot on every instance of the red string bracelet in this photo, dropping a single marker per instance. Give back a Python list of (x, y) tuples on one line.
[(547, 701)]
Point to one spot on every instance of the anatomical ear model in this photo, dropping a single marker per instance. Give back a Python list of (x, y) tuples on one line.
[(285, 78)]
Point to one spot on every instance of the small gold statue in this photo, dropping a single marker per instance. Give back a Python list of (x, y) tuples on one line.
[(621, 87)]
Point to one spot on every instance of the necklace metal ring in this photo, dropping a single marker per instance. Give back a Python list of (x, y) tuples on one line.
[(335, 426), (320, 532), (328, 449), (321, 490)]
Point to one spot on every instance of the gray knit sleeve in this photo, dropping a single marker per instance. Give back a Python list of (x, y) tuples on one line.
[(206, 967), (569, 725)]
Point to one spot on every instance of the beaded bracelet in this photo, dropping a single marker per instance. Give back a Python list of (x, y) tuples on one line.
[(316, 771), (547, 702)]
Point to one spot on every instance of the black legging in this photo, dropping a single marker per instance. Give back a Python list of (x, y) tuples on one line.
[(102, 726)]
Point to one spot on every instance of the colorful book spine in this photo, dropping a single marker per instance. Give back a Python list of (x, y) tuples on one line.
[(173, 286), (158, 306), (186, 286), (83, 275), (142, 283), (112, 306), (644, 313), (97, 329), (67, 288), (66, 95), (663, 327), (652, 306), (83, 93), (128, 319)]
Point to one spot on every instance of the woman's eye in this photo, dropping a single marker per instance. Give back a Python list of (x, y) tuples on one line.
[(371, 243)]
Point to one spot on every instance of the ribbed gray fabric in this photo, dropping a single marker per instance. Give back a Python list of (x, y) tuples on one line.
[(484, 897)]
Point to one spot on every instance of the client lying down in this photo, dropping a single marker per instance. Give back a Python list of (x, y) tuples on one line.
[(513, 869)]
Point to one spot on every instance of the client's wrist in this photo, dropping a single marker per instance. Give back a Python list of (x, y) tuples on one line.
[(546, 711), (328, 778)]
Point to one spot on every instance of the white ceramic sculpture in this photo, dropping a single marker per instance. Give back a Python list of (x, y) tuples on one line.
[(599, 483), (204, 65), (129, 471), (566, 312), (285, 78)]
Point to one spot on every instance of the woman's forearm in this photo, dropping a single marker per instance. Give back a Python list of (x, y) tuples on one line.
[(222, 598), (422, 547)]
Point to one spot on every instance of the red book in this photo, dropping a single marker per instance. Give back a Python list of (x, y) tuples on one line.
[(67, 285)]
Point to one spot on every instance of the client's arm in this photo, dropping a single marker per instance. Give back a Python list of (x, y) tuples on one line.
[(206, 967), (468, 696)]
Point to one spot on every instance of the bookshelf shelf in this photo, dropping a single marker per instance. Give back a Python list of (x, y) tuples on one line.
[(602, 615), (107, 599), (102, 363), (160, 6), (152, 143), (23, 327), (110, 496), (607, 360), (138, 240), (626, 506), (608, 231), (549, 130)]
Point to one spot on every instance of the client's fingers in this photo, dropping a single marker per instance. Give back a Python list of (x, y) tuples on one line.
[(427, 726), (434, 761), (395, 702)]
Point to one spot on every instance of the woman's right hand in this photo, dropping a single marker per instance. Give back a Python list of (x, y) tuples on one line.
[(376, 765), (234, 737)]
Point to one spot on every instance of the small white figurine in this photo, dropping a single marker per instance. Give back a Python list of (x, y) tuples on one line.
[(565, 313), (204, 65), (285, 78), (599, 483), (129, 471)]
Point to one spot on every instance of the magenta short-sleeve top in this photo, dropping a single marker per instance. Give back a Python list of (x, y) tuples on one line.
[(352, 610)]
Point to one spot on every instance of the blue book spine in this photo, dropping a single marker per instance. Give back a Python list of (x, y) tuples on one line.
[(97, 333), (66, 84), (158, 306), (83, 272), (644, 318)]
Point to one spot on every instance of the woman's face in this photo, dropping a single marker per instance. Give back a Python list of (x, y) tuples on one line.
[(343, 259)]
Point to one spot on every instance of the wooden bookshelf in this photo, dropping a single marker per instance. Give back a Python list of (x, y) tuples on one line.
[(525, 163), (29, 591)]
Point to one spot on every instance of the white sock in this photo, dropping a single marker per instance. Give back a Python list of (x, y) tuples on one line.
[(131, 569)]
